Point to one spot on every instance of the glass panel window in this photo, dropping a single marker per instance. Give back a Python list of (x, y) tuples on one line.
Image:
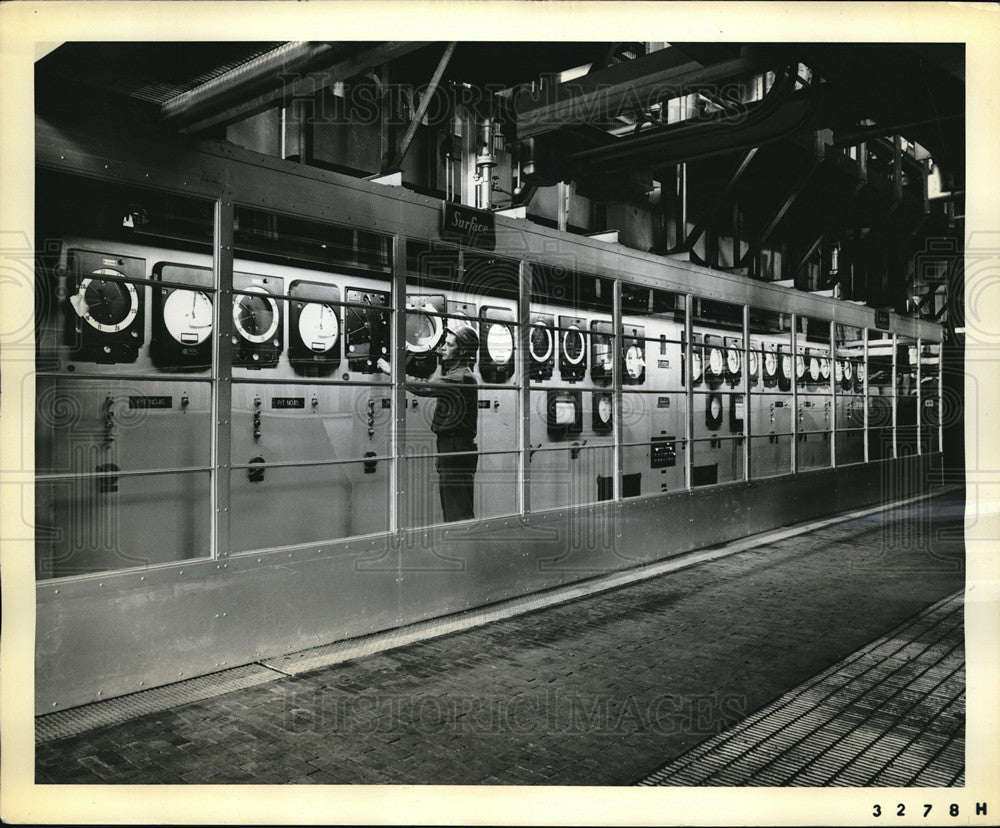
[(907, 368), (718, 460), (652, 337), (850, 446), (813, 365), (930, 398)]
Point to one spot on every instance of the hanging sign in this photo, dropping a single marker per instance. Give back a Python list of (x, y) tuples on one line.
[(465, 225)]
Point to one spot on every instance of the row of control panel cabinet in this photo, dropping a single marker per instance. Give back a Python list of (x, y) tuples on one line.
[(106, 324)]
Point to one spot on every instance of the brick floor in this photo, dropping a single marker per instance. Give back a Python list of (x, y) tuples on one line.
[(598, 691)]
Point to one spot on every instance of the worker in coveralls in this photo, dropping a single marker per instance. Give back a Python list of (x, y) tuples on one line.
[(455, 421)]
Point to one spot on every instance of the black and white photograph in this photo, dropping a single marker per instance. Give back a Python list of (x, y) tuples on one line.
[(555, 413)]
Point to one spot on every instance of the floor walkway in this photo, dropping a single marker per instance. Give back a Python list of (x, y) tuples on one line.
[(670, 672)]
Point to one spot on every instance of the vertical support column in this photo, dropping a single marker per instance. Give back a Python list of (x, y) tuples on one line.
[(833, 394), (397, 433), (864, 391), (747, 432), (616, 385), (920, 435), (795, 393), (895, 392), (689, 393), (562, 207), (524, 387), (222, 373), (940, 402)]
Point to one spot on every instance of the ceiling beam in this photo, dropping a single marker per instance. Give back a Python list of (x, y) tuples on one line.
[(634, 85), (296, 70)]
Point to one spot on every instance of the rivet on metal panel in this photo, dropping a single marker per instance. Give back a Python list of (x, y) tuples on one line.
[(142, 577), (182, 572), (56, 592), (141, 683), (54, 704), (101, 584)]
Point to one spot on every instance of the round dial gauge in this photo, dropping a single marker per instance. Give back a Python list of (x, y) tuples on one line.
[(500, 344), (813, 368), (800, 366), (255, 315), (604, 409), (824, 367), (754, 363), (786, 366), (319, 327), (733, 361), (540, 342), (696, 365), (187, 316), (573, 345), (838, 370), (715, 407), (715, 361), (107, 306), (859, 372), (848, 369), (770, 363), (423, 329), (634, 362)]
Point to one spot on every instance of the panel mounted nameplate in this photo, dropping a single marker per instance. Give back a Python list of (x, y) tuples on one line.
[(474, 228), (288, 402), (663, 363), (150, 402), (663, 402)]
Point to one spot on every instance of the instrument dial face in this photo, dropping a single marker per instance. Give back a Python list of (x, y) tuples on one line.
[(715, 407), (770, 363), (696, 365), (800, 366), (813, 368), (187, 316), (733, 361), (540, 342), (786, 366), (500, 344), (604, 409), (634, 362), (573, 345), (423, 329), (255, 315), (754, 363), (106, 306), (859, 371), (824, 368), (715, 361), (848, 369), (838, 370), (319, 327)]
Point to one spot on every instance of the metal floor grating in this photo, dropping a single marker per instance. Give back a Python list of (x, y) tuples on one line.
[(889, 715), (74, 721)]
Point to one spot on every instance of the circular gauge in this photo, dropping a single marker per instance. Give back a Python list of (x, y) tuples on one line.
[(255, 315), (848, 369), (859, 372), (754, 363), (423, 329), (733, 361), (838, 370), (573, 345), (500, 344), (715, 361), (800, 366), (824, 367), (813, 369), (540, 342), (187, 316), (696, 365), (786, 366), (770, 363), (634, 362), (715, 407), (604, 409), (107, 306), (319, 327)]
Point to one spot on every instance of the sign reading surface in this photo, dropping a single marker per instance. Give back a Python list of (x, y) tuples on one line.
[(465, 225), (882, 319)]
